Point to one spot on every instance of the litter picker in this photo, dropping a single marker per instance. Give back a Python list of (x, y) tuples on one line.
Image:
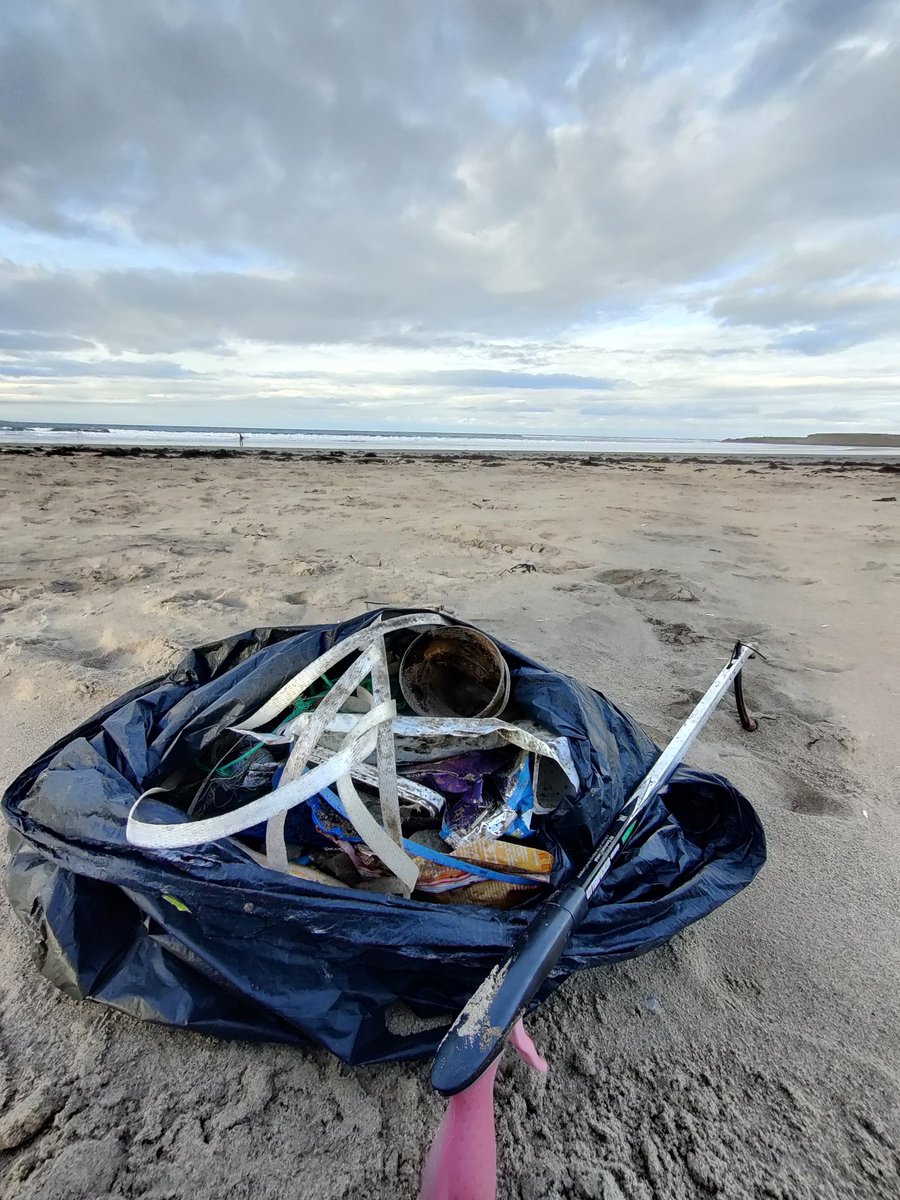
[(477, 1035)]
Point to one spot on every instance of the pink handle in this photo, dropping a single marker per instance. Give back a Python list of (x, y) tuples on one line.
[(462, 1161)]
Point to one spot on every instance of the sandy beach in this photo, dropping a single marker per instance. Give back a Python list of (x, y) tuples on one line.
[(756, 1056)]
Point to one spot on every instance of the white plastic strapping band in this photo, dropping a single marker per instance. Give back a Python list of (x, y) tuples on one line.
[(295, 687), (211, 829), (387, 762), (394, 857), (425, 728), (276, 850)]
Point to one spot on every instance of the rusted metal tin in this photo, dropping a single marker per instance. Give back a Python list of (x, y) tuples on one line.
[(454, 671)]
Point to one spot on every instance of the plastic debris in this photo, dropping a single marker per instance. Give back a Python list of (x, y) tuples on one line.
[(510, 855), (484, 792), (490, 893), (487, 792), (550, 786), (299, 871), (429, 739), (501, 805)]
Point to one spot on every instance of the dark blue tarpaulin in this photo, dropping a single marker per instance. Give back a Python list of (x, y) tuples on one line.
[(247, 952)]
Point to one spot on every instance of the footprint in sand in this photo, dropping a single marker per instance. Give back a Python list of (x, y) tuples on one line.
[(46, 648), (117, 576), (654, 584), (220, 600), (675, 633), (64, 587), (810, 801), (684, 704), (302, 566)]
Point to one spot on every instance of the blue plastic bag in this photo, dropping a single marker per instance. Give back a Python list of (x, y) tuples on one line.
[(205, 939)]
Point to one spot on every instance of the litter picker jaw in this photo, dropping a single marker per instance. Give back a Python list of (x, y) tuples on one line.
[(478, 1034), (748, 721)]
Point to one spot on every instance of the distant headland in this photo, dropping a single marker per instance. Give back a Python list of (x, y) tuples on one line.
[(826, 439)]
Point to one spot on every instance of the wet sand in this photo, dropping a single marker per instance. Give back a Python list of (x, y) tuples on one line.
[(757, 1055)]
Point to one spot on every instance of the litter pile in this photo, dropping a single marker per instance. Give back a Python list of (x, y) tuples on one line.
[(299, 831), (326, 781)]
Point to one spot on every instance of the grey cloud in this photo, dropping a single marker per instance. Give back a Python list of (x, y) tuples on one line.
[(472, 378), (821, 300), (399, 175), (822, 339), (800, 33), (476, 379), (73, 369), (771, 409), (15, 341), (650, 409), (335, 147), (158, 311), (514, 408)]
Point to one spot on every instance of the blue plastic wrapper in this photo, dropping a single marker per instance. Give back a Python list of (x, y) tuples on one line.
[(205, 939)]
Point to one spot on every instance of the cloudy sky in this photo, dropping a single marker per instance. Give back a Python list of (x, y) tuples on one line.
[(633, 217)]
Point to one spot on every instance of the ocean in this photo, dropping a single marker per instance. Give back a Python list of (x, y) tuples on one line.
[(19, 433)]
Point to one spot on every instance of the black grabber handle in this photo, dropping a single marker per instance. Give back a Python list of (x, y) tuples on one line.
[(479, 1033)]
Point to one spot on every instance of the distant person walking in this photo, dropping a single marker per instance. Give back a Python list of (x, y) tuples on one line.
[(240, 439)]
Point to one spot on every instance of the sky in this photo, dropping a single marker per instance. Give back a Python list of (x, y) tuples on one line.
[(528, 216)]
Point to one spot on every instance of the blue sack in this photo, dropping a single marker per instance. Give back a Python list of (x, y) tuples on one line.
[(205, 939)]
